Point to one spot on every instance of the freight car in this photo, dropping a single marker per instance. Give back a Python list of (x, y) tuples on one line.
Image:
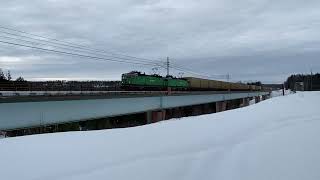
[(138, 81), (206, 84)]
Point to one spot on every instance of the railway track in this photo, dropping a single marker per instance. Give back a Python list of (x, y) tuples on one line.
[(27, 96)]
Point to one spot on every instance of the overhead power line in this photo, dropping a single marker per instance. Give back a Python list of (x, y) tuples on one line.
[(56, 46), (73, 54), (59, 45), (201, 75), (187, 70), (74, 45), (107, 56)]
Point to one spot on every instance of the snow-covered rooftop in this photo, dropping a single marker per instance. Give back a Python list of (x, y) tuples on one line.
[(274, 139)]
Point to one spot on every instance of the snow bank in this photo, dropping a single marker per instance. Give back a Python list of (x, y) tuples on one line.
[(274, 139), (277, 93)]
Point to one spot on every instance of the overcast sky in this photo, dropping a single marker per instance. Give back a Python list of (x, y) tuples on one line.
[(263, 40)]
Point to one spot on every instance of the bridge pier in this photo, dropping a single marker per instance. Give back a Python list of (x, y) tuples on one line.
[(233, 104), (196, 110), (209, 108), (175, 113), (113, 122), (244, 102), (264, 97), (155, 116), (221, 106), (149, 117), (257, 99)]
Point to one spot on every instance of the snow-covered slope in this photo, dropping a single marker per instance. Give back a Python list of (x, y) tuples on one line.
[(274, 139)]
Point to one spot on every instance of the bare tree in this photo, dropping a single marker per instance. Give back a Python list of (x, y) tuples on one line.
[(20, 79), (2, 76), (9, 78)]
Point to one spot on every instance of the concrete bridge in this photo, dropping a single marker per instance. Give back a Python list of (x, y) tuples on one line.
[(27, 112)]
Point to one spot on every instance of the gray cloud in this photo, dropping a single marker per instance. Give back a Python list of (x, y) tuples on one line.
[(252, 40)]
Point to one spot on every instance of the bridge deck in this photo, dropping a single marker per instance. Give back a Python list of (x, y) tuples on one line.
[(23, 112), (38, 96)]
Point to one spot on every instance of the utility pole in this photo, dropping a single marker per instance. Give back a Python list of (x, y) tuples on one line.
[(228, 80), (311, 81), (168, 66), (228, 77)]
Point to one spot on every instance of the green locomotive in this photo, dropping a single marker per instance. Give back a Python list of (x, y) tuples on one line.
[(138, 81)]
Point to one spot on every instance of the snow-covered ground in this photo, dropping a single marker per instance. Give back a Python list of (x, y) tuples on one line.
[(280, 93), (274, 139)]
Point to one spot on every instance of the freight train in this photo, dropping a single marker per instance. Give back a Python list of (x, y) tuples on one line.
[(138, 81)]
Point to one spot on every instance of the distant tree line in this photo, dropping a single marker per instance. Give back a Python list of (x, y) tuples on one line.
[(306, 82), (74, 85), (20, 84), (274, 86), (257, 83), (6, 76), (60, 86)]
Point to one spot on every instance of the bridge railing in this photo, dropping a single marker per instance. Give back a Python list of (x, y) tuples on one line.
[(76, 93), (104, 93)]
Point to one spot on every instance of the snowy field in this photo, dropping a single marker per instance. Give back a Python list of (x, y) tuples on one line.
[(274, 139)]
